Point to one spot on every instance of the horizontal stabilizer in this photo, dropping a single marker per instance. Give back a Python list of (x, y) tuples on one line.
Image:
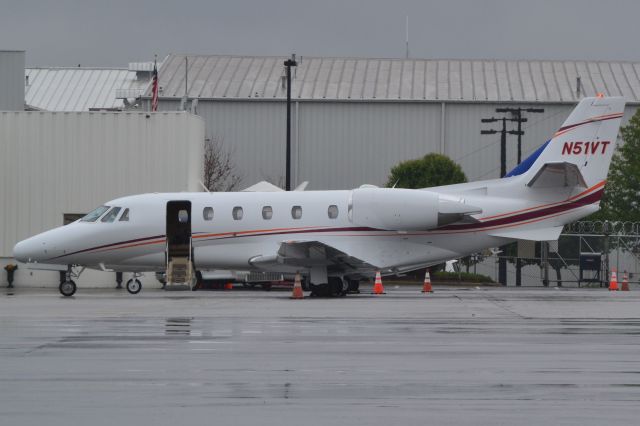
[(557, 175), (533, 234)]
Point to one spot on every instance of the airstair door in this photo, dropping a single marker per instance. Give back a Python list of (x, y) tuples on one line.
[(180, 269)]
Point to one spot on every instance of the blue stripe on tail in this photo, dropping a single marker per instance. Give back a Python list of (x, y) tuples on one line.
[(528, 162)]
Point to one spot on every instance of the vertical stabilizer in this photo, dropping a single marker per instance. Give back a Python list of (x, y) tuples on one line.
[(586, 139)]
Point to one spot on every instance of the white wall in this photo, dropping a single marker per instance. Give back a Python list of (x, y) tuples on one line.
[(55, 163)]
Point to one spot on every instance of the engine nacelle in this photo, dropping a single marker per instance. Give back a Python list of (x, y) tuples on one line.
[(394, 209)]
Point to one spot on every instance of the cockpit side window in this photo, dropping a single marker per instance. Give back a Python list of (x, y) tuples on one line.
[(111, 216), (95, 214), (125, 216)]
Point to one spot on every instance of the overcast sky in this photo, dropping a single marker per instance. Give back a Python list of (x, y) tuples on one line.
[(115, 32)]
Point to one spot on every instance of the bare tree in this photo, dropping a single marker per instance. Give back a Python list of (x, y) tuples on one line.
[(219, 171)]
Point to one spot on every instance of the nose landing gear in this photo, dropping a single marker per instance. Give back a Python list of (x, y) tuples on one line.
[(67, 286), (134, 285)]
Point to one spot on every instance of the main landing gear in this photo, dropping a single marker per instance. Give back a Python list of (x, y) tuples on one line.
[(336, 287)]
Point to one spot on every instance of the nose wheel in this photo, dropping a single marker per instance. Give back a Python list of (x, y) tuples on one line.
[(67, 288), (134, 286)]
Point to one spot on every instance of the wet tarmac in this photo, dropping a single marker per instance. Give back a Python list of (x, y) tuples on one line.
[(458, 356)]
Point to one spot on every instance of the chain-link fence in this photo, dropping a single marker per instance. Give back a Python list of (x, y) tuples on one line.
[(584, 255)]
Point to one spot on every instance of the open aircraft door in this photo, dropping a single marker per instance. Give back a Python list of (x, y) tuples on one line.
[(179, 258)]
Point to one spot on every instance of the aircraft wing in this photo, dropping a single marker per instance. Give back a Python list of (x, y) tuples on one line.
[(263, 186), (299, 254)]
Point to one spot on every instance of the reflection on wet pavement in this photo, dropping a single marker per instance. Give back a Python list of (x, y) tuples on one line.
[(484, 357)]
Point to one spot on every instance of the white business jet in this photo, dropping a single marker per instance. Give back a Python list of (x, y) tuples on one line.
[(335, 238)]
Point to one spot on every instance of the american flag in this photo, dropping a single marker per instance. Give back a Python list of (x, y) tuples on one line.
[(154, 88)]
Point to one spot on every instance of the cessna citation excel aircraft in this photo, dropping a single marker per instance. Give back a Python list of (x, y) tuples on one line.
[(335, 238)]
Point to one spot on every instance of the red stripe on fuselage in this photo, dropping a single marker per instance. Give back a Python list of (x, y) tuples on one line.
[(516, 218)]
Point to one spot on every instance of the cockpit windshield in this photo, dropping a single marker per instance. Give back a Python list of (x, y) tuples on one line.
[(95, 214), (111, 216)]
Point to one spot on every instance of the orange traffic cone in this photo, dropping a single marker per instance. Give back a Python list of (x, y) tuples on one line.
[(377, 286), (228, 286), (625, 282), (426, 287), (297, 288), (613, 284)]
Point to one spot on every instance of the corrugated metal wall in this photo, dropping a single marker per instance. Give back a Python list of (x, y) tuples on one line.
[(341, 145), (254, 133), (12, 82), (344, 145), (334, 145), (56, 163), (479, 155)]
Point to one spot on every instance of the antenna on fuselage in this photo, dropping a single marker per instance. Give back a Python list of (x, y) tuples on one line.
[(203, 186)]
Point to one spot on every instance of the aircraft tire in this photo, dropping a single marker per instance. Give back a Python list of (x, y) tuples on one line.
[(334, 288), (338, 286), (320, 290), (134, 286), (67, 288), (353, 286)]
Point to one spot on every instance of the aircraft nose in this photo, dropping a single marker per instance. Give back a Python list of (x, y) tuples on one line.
[(21, 252), (29, 250)]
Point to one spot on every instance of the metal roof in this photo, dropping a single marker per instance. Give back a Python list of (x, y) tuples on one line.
[(317, 78), (80, 89)]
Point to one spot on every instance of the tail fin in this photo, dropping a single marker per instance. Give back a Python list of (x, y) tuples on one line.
[(584, 144)]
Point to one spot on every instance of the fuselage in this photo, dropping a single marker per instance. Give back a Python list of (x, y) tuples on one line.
[(229, 230)]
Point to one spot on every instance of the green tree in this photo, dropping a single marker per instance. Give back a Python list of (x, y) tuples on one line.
[(430, 170), (621, 198)]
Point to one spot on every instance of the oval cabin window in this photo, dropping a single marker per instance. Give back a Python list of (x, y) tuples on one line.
[(332, 211), (267, 212), (237, 213), (207, 213), (296, 212)]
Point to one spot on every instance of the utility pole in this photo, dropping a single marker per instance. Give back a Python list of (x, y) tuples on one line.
[(502, 260), (516, 116), (288, 64)]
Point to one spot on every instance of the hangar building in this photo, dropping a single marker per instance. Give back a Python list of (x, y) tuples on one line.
[(354, 118), (58, 164)]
